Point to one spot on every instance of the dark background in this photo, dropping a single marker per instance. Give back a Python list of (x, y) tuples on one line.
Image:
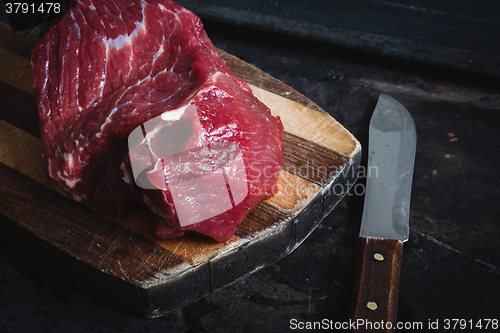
[(440, 59)]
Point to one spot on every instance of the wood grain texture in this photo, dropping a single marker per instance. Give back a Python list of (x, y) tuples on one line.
[(119, 259), (376, 289)]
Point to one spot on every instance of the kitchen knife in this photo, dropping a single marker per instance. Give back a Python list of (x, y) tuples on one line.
[(385, 221)]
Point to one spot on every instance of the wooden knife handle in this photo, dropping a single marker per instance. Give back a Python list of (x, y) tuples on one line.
[(375, 294)]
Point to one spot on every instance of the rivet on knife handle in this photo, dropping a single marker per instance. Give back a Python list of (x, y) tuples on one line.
[(376, 289)]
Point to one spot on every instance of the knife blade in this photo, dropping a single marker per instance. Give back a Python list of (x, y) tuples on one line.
[(385, 220)]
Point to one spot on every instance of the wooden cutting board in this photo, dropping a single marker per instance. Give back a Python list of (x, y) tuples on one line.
[(120, 260)]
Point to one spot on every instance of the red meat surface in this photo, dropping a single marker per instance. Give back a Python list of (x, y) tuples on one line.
[(110, 67)]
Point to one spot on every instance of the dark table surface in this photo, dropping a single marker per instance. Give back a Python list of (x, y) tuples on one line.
[(440, 59)]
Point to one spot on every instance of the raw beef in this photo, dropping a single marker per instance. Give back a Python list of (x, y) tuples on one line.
[(111, 67)]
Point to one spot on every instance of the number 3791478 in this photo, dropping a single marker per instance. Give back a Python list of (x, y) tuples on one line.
[(461, 324), (32, 8)]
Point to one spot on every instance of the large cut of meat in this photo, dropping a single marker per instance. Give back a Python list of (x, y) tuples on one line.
[(136, 104)]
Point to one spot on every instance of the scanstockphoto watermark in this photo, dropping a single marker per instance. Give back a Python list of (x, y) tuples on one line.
[(325, 175), (359, 324), (206, 178)]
